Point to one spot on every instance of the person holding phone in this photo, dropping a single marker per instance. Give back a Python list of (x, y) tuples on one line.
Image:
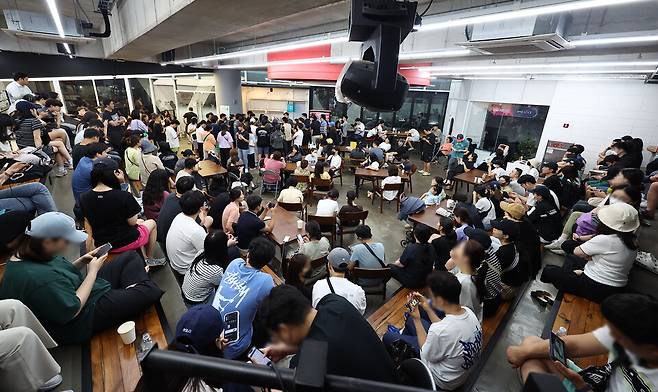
[(251, 223), (73, 307)]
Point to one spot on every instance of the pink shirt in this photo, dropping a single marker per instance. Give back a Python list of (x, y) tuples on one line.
[(275, 166), (229, 216), (225, 141)]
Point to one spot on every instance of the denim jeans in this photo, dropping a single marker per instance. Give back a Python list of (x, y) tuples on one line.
[(244, 157), (27, 197)]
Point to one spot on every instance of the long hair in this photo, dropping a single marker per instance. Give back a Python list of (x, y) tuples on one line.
[(156, 185), (476, 254), (32, 249), (295, 266), (629, 239), (215, 251)]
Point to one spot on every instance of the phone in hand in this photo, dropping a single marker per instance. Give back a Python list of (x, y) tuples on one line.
[(557, 351), (413, 302), (103, 250), (256, 356), (270, 205), (231, 326), (300, 238)]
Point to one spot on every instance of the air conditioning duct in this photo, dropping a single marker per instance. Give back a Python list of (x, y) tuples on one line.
[(40, 26), (537, 34)]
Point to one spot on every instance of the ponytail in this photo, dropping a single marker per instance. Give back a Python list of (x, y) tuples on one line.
[(480, 280)]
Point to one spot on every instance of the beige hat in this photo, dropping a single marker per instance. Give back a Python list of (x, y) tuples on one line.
[(619, 217), (533, 162), (515, 210)]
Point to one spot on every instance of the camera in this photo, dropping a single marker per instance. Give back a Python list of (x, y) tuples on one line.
[(373, 81)]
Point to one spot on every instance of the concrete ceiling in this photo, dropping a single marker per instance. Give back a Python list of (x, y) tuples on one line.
[(81, 9)]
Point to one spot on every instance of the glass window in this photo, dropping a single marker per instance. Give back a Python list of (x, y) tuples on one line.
[(163, 89), (402, 116), (353, 112), (518, 126), (140, 91), (200, 102), (369, 118), (438, 109), (420, 115), (41, 87), (78, 93), (387, 117), (114, 89)]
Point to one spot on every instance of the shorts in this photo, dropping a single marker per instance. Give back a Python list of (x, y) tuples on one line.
[(142, 240)]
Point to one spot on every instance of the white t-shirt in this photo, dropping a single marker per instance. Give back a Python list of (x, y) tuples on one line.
[(618, 382), (469, 294), (499, 171), (182, 173), (483, 205), (191, 128), (453, 345), (359, 128), (184, 241), (390, 195), (16, 91), (531, 199), (298, 137), (327, 207), (414, 135), (385, 146), (611, 260), (335, 162), (172, 137), (343, 287)]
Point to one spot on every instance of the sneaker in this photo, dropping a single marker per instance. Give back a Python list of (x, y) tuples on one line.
[(421, 172), (557, 244), (156, 262), (60, 171), (647, 261), (424, 173), (52, 383)]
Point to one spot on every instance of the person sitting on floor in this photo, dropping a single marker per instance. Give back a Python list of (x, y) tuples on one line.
[(514, 272), (450, 344), (628, 337), (242, 289), (72, 307), (338, 262), (81, 181), (185, 237), (354, 349), (600, 267), (416, 261), (291, 194), (486, 208)]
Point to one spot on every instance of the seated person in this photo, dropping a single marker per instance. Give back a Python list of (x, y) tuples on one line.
[(250, 225), (447, 345), (466, 260), (113, 213), (274, 164), (92, 134), (243, 293), (312, 157), (486, 208), (149, 161), (185, 236), (354, 350), (514, 273), (367, 253), (392, 178), (462, 221), (299, 267), (549, 171), (416, 261), (302, 170), (335, 160), (433, 195), (545, 215), (329, 205), (72, 307), (313, 244), (155, 192), (291, 194), (351, 206), (231, 212), (81, 181), (295, 154), (321, 171), (338, 262), (443, 242), (171, 208), (463, 165), (414, 137), (600, 267), (629, 332)]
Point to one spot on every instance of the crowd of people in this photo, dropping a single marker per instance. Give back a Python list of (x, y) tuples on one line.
[(136, 186)]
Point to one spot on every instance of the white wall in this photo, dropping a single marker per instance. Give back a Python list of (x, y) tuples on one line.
[(596, 111)]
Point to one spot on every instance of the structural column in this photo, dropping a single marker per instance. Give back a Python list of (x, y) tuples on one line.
[(228, 91)]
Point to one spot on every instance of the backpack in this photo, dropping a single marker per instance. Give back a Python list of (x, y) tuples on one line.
[(276, 140), (571, 193)]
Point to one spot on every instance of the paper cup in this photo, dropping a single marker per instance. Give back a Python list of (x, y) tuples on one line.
[(127, 332), (300, 224)]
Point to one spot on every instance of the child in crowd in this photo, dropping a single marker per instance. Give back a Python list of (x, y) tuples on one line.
[(433, 195)]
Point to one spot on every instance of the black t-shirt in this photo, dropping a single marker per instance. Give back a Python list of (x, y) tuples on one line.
[(79, 150), (243, 144), (514, 272), (189, 116), (108, 213), (555, 184), (442, 247), (170, 208), (418, 261), (263, 137), (546, 219), (248, 227), (354, 349), (217, 209), (428, 144), (114, 133)]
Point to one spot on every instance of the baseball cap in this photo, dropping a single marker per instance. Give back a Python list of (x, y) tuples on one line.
[(478, 235), (339, 258), (620, 217), (515, 210), (542, 191), (55, 225), (24, 106), (551, 165), (105, 163), (13, 224), (508, 228), (199, 326), (148, 147)]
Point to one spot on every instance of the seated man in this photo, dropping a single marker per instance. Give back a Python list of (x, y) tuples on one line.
[(250, 225), (338, 262), (24, 197), (448, 345), (367, 253), (629, 337), (291, 194), (242, 289), (354, 350)]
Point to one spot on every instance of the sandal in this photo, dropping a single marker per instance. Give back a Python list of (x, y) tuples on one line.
[(543, 297)]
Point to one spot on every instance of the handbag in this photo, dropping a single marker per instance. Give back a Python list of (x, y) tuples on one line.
[(598, 377)]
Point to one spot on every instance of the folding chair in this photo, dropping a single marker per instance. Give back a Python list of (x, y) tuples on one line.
[(270, 186)]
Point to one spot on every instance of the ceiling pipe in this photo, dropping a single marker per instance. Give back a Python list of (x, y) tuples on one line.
[(108, 30)]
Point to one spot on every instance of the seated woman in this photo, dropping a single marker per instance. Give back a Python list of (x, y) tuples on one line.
[(462, 221), (600, 267), (463, 166), (299, 266), (71, 307), (295, 154), (112, 213), (205, 272), (302, 170), (433, 195), (466, 259), (416, 261), (485, 205), (443, 242), (155, 192), (313, 244), (274, 164), (351, 206), (131, 157)]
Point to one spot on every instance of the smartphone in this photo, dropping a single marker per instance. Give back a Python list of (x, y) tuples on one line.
[(300, 238), (103, 250), (557, 349), (412, 304), (256, 356), (270, 205), (231, 326)]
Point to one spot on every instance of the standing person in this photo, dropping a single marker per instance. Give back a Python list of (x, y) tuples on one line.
[(17, 89), (354, 349), (148, 161), (298, 137), (416, 261), (240, 293), (206, 140), (132, 157), (171, 135), (338, 262), (242, 143), (287, 133), (114, 123), (224, 144), (191, 131), (263, 141), (459, 148), (189, 116), (185, 237), (427, 152)]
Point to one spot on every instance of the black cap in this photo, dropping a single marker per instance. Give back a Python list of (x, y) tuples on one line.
[(509, 228), (13, 224), (551, 165), (478, 235), (105, 163), (542, 191)]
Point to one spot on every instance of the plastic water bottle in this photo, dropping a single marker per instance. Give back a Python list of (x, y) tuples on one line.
[(561, 332)]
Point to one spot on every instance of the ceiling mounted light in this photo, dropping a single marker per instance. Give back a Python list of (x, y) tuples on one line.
[(614, 41), (52, 6), (337, 60), (523, 13), (496, 67), (547, 72), (434, 54)]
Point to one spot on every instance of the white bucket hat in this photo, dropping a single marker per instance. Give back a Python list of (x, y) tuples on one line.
[(619, 217)]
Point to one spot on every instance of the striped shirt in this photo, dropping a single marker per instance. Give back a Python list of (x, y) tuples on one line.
[(200, 281), (492, 280), (25, 131)]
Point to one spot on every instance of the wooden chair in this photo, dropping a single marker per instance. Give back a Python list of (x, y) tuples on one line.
[(293, 207), (359, 216), (317, 264), (389, 187), (325, 222), (413, 171), (338, 173), (383, 274), (322, 184)]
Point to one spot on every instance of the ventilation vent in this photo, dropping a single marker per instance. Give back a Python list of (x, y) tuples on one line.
[(530, 44)]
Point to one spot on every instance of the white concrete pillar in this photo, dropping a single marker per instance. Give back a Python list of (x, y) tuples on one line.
[(228, 90)]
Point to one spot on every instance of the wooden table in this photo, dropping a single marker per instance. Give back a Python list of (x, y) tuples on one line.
[(377, 175), (290, 167), (428, 216), (208, 168), (285, 224), (467, 179), (276, 278), (342, 150), (392, 312)]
